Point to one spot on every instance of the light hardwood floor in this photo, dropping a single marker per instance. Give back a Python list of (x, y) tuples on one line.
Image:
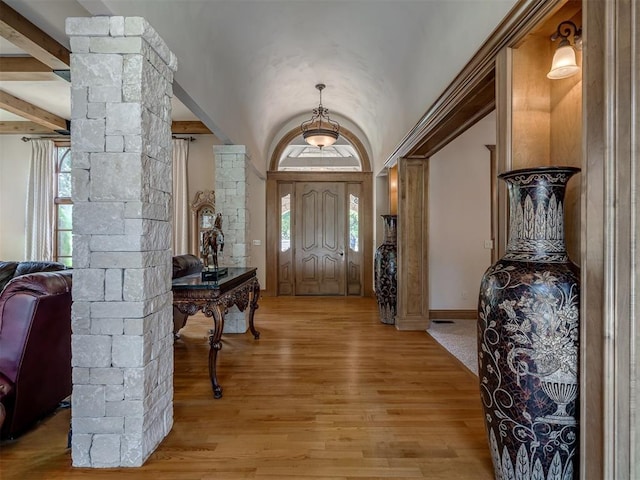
[(328, 392)]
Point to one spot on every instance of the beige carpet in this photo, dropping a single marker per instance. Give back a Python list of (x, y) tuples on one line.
[(460, 338)]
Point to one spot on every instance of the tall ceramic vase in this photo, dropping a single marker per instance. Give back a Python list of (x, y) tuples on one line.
[(528, 319), (385, 272)]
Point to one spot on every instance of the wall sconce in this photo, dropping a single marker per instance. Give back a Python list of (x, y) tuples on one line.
[(393, 190), (564, 60)]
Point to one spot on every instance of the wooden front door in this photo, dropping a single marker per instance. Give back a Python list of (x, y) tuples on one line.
[(320, 238)]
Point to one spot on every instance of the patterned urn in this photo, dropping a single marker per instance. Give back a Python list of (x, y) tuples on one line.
[(386, 269), (528, 319)]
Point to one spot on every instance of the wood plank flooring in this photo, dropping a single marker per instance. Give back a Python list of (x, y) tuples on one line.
[(328, 392)]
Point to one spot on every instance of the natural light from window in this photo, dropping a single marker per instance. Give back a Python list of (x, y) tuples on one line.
[(64, 208), (298, 156), (285, 223)]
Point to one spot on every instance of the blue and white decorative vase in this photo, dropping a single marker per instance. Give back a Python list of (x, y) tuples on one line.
[(528, 321), (386, 271)]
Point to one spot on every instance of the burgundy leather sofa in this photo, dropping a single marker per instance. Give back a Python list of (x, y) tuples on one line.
[(35, 342), (183, 265)]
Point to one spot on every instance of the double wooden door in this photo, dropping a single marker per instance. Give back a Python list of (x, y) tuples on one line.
[(319, 233), (319, 238)]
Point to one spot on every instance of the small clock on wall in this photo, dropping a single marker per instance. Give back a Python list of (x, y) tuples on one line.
[(203, 215)]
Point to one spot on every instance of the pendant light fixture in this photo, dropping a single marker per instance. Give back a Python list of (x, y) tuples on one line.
[(320, 131), (564, 59)]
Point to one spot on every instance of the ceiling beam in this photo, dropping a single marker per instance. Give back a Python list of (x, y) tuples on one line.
[(25, 35), (25, 69), (189, 127), (21, 128), (31, 112)]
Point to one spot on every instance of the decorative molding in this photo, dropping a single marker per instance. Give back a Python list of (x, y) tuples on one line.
[(453, 314), (477, 104), (518, 22), (493, 189), (610, 242)]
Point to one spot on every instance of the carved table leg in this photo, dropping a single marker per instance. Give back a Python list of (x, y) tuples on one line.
[(255, 296), (217, 313)]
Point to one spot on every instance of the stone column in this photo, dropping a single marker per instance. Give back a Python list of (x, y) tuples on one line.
[(122, 402), (231, 163)]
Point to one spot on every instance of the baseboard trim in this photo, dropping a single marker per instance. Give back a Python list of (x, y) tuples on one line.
[(412, 323), (453, 314)]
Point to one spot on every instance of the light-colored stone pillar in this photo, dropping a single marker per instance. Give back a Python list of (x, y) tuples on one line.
[(231, 163), (122, 402)]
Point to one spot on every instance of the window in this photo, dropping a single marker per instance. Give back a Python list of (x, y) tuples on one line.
[(63, 239), (300, 157), (354, 232), (285, 223)]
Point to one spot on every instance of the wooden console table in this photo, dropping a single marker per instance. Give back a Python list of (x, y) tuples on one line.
[(239, 287)]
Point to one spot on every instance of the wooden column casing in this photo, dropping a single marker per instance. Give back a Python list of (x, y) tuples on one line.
[(413, 244), (610, 322)]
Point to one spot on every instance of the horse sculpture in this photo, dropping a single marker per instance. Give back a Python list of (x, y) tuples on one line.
[(213, 242)]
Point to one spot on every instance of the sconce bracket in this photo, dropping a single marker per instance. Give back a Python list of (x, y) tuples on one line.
[(567, 29)]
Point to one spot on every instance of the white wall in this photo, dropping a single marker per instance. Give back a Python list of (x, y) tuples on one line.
[(256, 200), (201, 170), (460, 218), (200, 166), (14, 177)]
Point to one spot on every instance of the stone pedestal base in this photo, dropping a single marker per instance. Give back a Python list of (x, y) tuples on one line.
[(236, 321)]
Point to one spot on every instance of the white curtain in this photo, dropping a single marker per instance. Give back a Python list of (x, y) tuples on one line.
[(40, 215), (180, 197)]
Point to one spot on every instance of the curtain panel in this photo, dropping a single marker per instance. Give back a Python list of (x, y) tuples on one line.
[(40, 214), (180, 197)]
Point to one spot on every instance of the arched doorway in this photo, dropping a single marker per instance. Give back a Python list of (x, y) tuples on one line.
[(319, 218)]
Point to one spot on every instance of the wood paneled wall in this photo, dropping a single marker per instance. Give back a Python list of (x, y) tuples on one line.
[(530, 104), (546, 125)]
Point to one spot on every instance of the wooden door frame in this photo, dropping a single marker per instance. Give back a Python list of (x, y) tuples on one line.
[(274, 179)]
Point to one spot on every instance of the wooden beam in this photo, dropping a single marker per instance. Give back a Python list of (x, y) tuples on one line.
[(189, 127), (21, 128), (31, 112), (25, 35), (25, 69)]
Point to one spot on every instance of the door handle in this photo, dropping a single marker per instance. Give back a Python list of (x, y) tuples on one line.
[(341, 253)]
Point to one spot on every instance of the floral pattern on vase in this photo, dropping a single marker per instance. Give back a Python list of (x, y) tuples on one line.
[(528, 329), (386, 270)]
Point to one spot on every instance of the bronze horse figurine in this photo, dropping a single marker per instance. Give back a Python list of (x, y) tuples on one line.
[(213, 242)]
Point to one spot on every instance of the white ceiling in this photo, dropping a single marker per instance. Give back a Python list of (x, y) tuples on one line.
[(247, 68)]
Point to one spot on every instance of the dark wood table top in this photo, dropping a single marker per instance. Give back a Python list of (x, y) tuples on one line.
[(235, 276)]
